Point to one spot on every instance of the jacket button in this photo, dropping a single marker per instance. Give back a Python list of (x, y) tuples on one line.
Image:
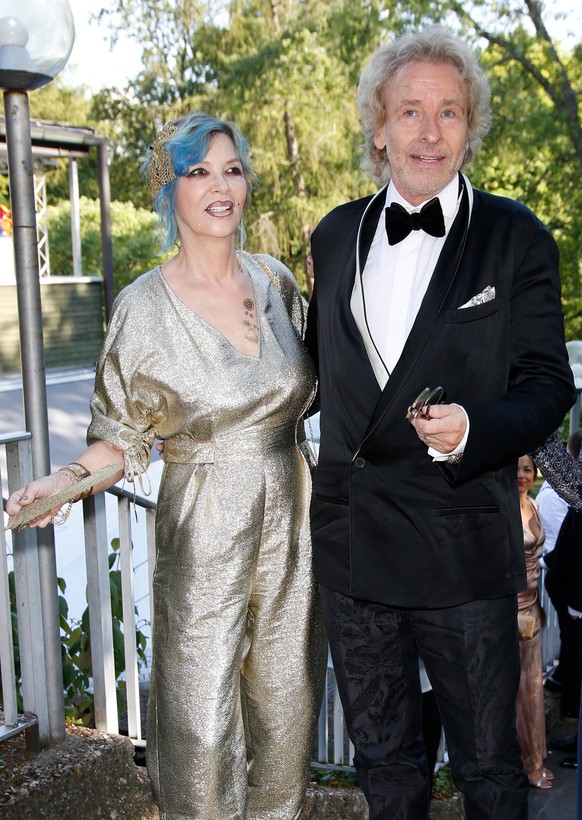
[(360, 462)]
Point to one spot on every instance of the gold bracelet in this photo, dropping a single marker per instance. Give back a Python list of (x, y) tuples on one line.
[(62, 515), (85, 494), (78, 472)]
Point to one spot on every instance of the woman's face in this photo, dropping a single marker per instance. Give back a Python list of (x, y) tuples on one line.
[(526, 474), (210, 198)]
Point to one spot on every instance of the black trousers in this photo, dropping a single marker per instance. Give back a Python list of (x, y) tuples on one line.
[(471, 655)]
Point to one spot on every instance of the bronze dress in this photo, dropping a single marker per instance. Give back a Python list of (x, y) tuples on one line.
[(238, 642), (531, 718)]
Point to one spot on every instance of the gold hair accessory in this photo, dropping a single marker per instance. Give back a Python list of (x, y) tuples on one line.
[(161, 170)]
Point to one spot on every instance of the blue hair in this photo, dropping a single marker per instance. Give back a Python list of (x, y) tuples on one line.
[(188, 147)]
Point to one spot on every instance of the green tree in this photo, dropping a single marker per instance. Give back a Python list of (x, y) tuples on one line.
[(135, 242), (283, 76), (281, 71), (534, 151), (130, 126), (287, 73), (59, 103)]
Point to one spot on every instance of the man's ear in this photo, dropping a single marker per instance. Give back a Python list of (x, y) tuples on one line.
[(379, 138)]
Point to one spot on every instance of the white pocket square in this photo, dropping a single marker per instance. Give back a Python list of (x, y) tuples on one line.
[(485, 296)]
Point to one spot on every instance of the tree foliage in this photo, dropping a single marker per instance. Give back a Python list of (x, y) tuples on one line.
[(286, 72), (534, 152), (136, 246)]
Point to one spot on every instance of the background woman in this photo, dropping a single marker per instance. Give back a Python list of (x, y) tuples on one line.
[(531, 720), (206, 353)]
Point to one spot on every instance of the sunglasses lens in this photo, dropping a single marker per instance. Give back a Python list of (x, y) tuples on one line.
[(424, 399), (420, 400), (434, 396)]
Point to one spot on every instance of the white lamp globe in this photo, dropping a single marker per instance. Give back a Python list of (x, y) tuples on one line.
[(36, 39)]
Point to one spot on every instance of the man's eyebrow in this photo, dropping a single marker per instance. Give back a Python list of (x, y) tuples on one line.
[(449, 101)]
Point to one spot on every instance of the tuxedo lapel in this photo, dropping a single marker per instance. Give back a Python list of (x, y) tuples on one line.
[(440, 284), (368, 226), (366, 233)]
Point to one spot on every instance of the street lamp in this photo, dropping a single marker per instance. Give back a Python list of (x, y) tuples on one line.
[(36, 39)]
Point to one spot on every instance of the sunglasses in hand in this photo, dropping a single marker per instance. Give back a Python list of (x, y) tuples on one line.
[(421, 405)]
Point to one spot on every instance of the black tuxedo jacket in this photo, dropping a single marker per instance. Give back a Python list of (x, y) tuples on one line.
[(389, 524)]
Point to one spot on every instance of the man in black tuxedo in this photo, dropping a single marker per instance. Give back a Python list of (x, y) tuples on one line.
[(418, 545)]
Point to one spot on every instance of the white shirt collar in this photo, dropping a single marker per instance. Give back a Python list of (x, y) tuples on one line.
[(449, 198)]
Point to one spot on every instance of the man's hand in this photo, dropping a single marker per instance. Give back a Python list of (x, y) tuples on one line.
[(441, 426)]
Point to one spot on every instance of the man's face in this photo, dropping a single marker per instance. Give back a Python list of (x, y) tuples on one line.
[(425, 130)]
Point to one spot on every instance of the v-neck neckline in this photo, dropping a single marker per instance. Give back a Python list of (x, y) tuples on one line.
[(174, 297)]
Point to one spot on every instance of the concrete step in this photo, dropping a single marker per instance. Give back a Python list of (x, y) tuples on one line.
[(92, 775)]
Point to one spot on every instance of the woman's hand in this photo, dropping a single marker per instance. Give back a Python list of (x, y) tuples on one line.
[(39, 488), (97, 455)]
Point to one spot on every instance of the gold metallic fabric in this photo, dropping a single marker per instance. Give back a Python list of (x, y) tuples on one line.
[(238, 641)]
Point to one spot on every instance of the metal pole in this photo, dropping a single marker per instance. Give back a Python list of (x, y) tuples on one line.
[(106, 240), (75, 217), (20, 173)]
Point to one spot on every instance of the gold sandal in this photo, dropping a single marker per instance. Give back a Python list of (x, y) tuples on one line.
[(542, 783)]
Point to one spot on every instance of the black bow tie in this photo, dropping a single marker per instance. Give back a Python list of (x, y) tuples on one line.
[(399, 222)]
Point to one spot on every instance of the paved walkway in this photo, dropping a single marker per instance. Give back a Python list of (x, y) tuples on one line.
[(559, 802)]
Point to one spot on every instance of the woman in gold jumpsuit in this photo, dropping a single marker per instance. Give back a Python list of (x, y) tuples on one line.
[(206, 353)]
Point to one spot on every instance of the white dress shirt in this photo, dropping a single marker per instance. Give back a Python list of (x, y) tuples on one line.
[(396, 277), (552, 509), (394, 282)]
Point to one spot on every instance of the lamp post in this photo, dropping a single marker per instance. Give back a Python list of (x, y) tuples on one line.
[(36, 38)]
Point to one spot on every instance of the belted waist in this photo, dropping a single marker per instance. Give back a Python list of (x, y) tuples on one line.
[(185, 450)]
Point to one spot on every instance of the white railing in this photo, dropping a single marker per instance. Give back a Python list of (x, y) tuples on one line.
[(332, 743), (551, 631), (23, 559), (98, 595)]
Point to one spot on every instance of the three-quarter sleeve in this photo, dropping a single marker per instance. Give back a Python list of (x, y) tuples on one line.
[(122, 411)]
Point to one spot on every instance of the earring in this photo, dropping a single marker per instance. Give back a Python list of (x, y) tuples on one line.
[(242, 236)]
